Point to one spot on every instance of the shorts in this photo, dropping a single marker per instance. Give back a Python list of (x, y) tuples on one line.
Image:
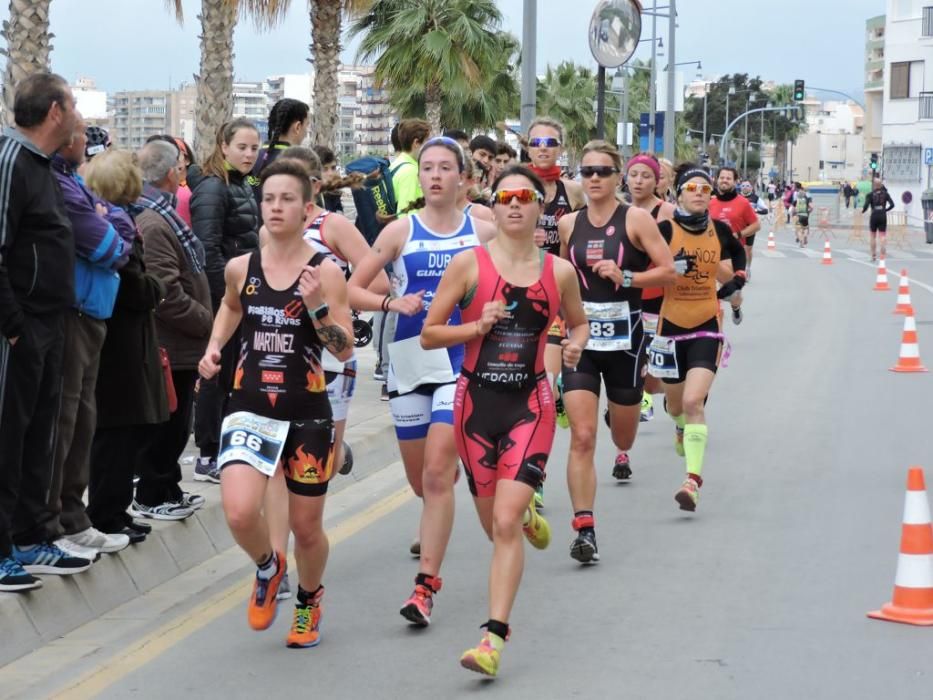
[(803, 220), (749, 241), (503, 434), (558, 331), (340, 389), (621, 371), (878, 222), (699, 352), (414, 412), (770, 196)]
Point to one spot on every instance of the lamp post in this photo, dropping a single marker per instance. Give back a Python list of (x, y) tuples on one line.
[(529, 78)]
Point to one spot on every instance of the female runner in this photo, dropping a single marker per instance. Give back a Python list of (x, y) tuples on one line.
[(509, 293), (686, 351), (421, 382), (610, 246)]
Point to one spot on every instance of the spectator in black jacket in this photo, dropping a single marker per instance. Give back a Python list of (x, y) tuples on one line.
[(225, 218), (37, 259)]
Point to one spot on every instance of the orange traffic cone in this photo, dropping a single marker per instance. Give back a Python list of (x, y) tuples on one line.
[(827, 254), (771, 243), (903, 296), (913, 583), (909, 360), (881, 281)]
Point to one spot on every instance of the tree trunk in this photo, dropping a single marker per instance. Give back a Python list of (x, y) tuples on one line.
[(780, 158), (28, 46), (215, 80), (325, 54), (432, 108)]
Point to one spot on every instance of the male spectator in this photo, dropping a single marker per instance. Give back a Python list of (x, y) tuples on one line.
[(183, 323), (411, 134), (37, 258), (103, 237), (483, 151), (505, 156), (461, 137)]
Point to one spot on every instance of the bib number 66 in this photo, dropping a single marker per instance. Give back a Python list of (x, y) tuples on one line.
[(240, 438)]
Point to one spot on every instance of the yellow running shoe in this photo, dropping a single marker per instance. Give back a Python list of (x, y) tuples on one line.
[(305, 631), (536, 528), (485, 657)]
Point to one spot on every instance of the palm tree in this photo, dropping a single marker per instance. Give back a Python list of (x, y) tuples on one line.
[(566, 93), (435, 49), (28, 46), (784, 129)]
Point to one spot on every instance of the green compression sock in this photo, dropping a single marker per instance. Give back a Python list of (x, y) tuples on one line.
[(695, 435), (680, 420)]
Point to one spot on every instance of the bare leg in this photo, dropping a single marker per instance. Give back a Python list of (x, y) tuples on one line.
[(311, 544), (582, 407), (437, 515), (242, 489), (275, 510), (508, 557)]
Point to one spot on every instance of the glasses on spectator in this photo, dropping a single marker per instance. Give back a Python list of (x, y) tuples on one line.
[(598, 170), (525, 195), (702, 188), (544, 142)]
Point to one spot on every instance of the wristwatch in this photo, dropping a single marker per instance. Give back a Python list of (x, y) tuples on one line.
[(627, 278), (320, 313)]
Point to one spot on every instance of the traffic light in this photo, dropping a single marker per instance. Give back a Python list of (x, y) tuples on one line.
[(873, 163), (800, 92)]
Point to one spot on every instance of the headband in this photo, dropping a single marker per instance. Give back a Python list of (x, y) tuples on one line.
[(690, 174), (647, 161)]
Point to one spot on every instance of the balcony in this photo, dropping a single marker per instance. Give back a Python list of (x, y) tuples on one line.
[(926, 105)]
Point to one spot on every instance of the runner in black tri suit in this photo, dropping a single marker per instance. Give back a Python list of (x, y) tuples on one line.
[(611, 246), (880, 203), (278, 416)]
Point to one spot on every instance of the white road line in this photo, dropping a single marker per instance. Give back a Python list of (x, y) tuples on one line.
[(910, 279)]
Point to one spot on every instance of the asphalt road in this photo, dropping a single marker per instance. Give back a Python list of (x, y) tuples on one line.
[(760, 594)]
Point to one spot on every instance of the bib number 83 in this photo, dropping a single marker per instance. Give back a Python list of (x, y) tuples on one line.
[(239, 438), (602, 329)]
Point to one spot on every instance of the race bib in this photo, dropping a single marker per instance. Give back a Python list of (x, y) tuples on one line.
[(610, 326), (253, 440), (413, 366), (650, 323), (662, 358)]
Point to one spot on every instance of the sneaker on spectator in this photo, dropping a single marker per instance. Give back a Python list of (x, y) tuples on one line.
[(102, 542), (384, 396), (13, 577), (194, 501), (379, 375), (171, 510), (76, 550), (205, 469), (46, 558)]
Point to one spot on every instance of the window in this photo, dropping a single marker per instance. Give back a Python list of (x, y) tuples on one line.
[(906, 79), (902, 162), (926, 26)]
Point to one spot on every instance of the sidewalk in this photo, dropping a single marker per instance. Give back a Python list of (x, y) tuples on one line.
[(32, 619)]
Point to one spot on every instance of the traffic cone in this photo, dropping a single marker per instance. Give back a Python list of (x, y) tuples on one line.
[(881, 281), (909, 360), (827, 254), (903, 296), (912, 602), (771, 244)]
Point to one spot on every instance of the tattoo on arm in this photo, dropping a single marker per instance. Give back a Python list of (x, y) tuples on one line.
[(334, 338)]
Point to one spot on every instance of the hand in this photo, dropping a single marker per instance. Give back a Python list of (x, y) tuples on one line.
[(683, 263), (309, 286), (101, 209), (493, 312), (408, 305), (209, 365), (607, 269), (570, 353), (540, 237)]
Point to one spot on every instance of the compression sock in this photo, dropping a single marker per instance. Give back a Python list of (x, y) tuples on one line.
[(268, 567), (695, 436), (680, 421)]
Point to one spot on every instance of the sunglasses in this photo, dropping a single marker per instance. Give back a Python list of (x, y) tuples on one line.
[(702, 188), (525, 195), (598, 170), (544, 142)]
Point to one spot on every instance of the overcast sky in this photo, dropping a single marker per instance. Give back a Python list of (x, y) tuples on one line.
[(136, 44)]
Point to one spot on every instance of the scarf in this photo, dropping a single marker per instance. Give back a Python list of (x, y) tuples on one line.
[(551, 174), (163, 204), (691, 222), (727, 196)]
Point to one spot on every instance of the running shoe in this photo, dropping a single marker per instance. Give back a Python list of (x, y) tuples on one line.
[(194, 501), (679, 441), (173, 510), (76, 550), (262, 607), (95, 539), (647, 408), (415, 549), (583, 548), (688, 495), (539, 497), (417, 609), (13, 577), (737, 315), (536, 528), (305, 631), (285, 589), (205, 469), (562, 420), (379, 375), (46, 558), (384, 394), (347, 465), (622, 469), (484, 658)]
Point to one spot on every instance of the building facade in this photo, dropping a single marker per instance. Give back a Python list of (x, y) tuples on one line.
[(832, 148), (376, 116), (874, 83), (137, 114)]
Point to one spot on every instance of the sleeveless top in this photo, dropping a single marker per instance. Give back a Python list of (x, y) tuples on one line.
[(691, 301), (511, 355), (278, 372), (650, 293), (553, 211), (419, 267)]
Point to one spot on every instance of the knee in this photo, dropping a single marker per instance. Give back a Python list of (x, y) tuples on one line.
[(583, 440), (694, 403), (308, 535), (506, 526), (241, 516), (437, 479)]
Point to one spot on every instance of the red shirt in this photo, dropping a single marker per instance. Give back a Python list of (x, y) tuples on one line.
[(737, 212)]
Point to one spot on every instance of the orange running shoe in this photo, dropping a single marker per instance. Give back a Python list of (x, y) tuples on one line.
[(305, 631), (688, 495), (262, 603)]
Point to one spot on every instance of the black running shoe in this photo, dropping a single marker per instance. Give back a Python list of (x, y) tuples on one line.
[(583, 548), (622, 469), (347, 465)]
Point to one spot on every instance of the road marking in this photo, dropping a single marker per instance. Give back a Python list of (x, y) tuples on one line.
[(917, 283), (153, 645)]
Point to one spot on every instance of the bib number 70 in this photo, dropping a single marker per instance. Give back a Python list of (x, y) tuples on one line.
[(239, 438), (602, 329)]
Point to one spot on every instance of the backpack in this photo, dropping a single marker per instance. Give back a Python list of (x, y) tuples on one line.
[(375, 198)]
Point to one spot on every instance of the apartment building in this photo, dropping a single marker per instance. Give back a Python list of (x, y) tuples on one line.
[(874, 83)]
